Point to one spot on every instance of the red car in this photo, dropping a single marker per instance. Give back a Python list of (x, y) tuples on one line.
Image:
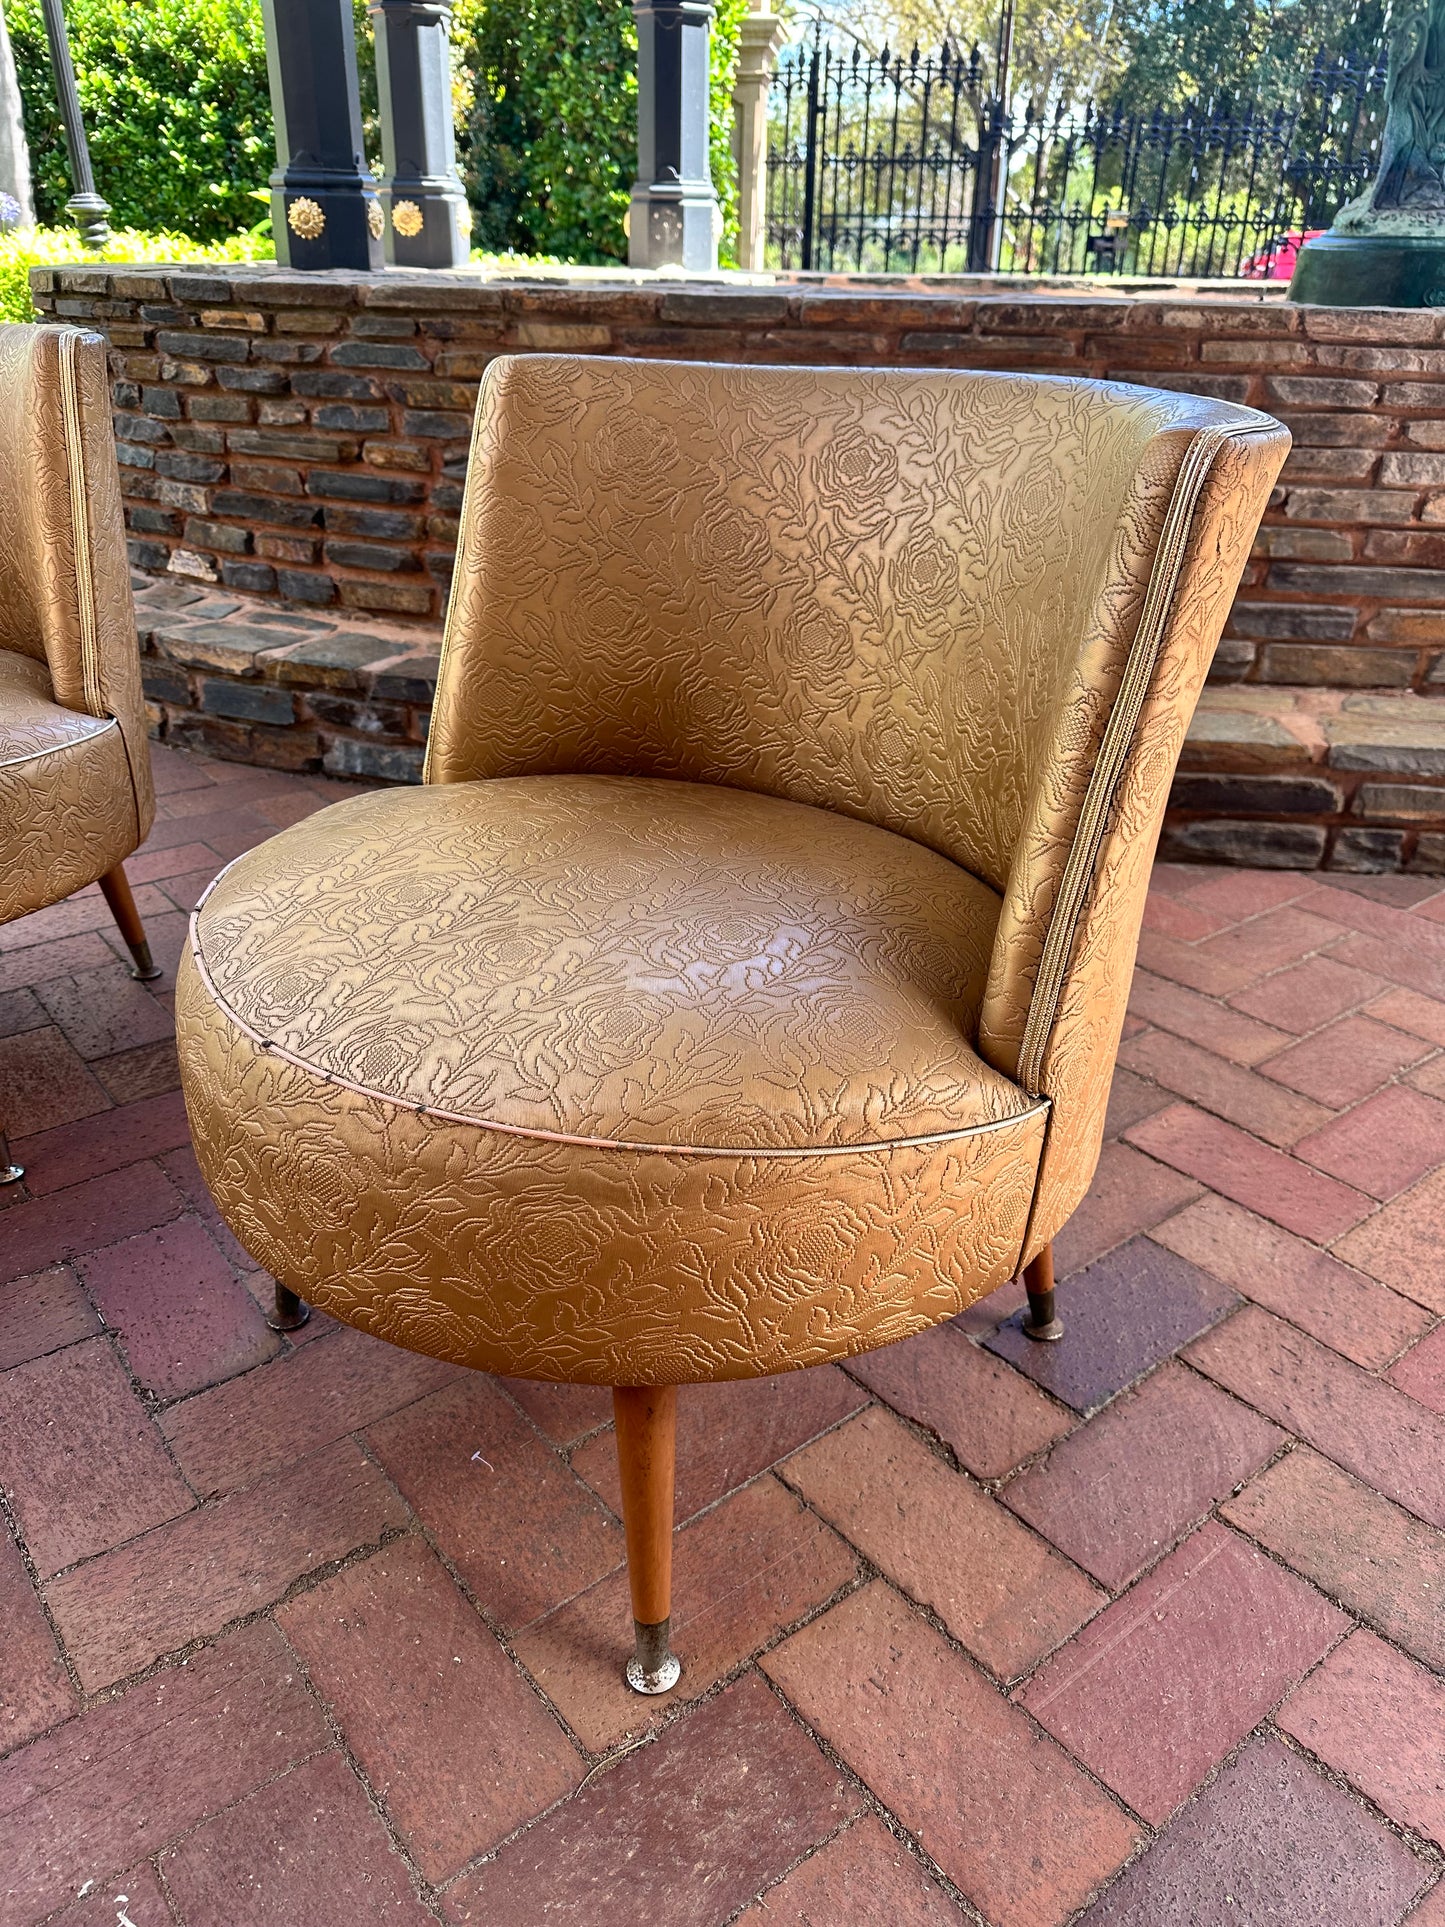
[(1276, 262)]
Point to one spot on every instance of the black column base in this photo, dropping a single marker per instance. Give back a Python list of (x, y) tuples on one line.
[(326, 227), (1370, 271), (426, 227), (673, 228)]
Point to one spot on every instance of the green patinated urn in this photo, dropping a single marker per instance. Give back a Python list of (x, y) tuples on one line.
[(1387, 247)]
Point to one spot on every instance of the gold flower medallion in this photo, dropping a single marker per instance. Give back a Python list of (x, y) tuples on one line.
[(305, 217), (407, 218)]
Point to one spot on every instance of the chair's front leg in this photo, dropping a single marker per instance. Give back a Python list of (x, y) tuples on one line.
[(115, 885), (9, 1173), (1043, 1321), (646, 1420)]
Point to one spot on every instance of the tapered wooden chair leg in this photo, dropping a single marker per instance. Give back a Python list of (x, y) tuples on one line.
[(9, 1173), (646, 1417), (1043, 1321), (116, 887), (291, 1312)]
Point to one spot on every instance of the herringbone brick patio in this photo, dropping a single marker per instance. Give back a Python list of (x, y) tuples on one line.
[(1144, 1628)]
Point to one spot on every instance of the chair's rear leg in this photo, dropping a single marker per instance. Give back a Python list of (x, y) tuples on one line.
[(291, 1312), (646, 1417), (9, 1173), (1043, 1321), (116, 887)]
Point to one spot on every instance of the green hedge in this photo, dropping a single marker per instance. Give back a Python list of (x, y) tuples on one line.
[(30, 248), (179, 115), (176, 109), (547, 121)]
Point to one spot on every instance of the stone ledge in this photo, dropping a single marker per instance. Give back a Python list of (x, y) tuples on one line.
[(1312, 778), (255, 684), (1287, 778)]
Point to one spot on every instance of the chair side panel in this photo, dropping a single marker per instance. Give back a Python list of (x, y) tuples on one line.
[(1078, 1059)]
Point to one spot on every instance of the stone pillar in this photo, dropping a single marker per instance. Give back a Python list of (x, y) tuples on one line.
[(14, 150), (673, 217), (324, 210), (85, 206), (760, 39), (429, 223)]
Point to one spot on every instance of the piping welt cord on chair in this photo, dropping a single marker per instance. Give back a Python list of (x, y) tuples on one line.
[(742, 988), (75, 776)]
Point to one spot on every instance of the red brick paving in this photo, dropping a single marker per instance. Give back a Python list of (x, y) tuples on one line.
[(1172, 1676), (1241, 1167), (1270, 1844), (305, 1842), (35, 1690), (1357, 1420), (83, 1465), (446, 1735), (742, 1573), (1002, 1592), (988, 1416), (1379, 1719), (1333, 1302), (1383, 1145), (684, 1831), (1421, 1372), (1126, 1313), (516, 1522), (862, 1873), (182, 1581), (183, 1318), (1118, 1493), (1401, 1244), (1005, 1813), (459, 1749), (1378, 1561), (728, 1434)]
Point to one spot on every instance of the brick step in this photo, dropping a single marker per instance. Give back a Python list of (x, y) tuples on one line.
[(242, 678)]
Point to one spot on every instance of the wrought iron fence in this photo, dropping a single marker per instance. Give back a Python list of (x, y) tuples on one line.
[(910, 163)]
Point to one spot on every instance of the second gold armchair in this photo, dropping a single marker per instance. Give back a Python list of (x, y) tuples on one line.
[(75, 780)]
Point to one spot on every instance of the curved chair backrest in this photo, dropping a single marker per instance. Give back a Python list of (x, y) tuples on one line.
[(976, 609), (64, 575)]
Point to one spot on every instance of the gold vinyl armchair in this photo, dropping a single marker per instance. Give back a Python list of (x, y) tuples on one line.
[(742, 989), (75, 780)]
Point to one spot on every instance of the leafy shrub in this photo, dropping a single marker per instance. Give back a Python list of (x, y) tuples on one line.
[(176, 106), (22, 249), (547, 121), (178, 115)]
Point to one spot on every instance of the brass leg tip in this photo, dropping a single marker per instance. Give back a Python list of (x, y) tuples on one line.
[(11, 1173), (145, 968), (654, 1668), (291, 1312), (1045, 1334)]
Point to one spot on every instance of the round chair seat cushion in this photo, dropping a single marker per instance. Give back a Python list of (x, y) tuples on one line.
[(606, 1079)]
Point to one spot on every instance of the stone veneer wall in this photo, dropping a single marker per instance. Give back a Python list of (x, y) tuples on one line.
[(293, 451)]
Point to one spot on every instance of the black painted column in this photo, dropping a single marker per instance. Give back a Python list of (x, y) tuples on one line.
[(428, 224), (324, 210), (673, 218)]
